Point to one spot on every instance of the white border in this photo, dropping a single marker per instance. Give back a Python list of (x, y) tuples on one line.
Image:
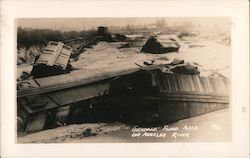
[(237, 10)]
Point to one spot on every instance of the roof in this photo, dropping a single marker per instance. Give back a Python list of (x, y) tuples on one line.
[(168, 42), (55, 54)]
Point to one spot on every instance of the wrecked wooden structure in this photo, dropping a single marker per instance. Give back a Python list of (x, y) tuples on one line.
[(144, 95), (156, 45), (54, 60), (165, 97)]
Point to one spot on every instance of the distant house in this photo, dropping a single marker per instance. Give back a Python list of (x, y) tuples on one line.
[(102, 30)]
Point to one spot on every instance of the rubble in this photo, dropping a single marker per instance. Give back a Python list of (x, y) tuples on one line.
[(54, 60), (186, 69), (126, 45), (177, 61), (88, 132), (151, 62), (119, 37), (24, 75), (157, 46), (195, 45)]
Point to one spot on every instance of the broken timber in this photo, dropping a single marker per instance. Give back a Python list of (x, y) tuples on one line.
[(166, 97), (52, 61), (119, 96)]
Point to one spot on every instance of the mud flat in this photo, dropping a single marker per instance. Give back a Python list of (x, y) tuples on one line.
[(106, 55), (211, 127)]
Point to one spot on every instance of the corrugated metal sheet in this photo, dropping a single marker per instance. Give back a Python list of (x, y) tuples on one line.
[(55, 53)]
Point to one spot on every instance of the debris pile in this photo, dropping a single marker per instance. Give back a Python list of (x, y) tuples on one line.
[(177, 61), (158, 46), (126, 45), (151, 62), (187, 69), (177, 66), (103, 34), (54, 60), (24, 75), (119, 38)]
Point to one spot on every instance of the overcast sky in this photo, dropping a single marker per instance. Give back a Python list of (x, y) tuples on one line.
[(67, 24)]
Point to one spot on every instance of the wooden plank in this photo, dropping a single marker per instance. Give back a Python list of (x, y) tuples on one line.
[(172, 83), (177, 84), (168, 88), (44, 57), (180, 83), (199, 100), (222, 86), (163, 80), (216, 86), (47, 52), (227, 84), (199, 84), (50, 47), (187, 83), (54, 56), (227, 88), (195, 84), (213, 85), (64, 55), (210, 88), (62, 60), (65, 52), (160, 82), (203, 85), (184, 83), (191, 84)]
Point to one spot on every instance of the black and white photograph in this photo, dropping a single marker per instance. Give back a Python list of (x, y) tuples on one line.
[(131, 79), (123, 80)]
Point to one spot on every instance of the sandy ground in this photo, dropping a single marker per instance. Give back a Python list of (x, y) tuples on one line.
[(210, 127), (210, 55)]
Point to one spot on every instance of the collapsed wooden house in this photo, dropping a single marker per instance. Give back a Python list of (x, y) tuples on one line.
[(138, 95)]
